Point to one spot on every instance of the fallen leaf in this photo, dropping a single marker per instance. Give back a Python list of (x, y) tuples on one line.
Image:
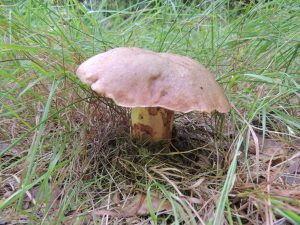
[(3, 146), (33, 199), (136, 205), (270, 146), (271, 149), (157, 202), (295, 166), (36, 192), (293, 175)]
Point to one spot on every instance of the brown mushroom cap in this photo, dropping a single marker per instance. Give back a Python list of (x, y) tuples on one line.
[(135, 77)]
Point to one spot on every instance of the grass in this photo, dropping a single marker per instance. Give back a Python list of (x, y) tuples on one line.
[(65, 152)]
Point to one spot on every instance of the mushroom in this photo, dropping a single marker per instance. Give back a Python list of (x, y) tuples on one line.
[(154, 85)]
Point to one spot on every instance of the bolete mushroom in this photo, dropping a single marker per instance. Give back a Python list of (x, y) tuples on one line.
[(154, 85)]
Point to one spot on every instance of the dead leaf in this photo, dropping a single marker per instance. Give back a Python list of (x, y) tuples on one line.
[(293, 175), (270, 146), (3, 146), (291, 192), (295, 166), (271, 149), (157, 202), (9, 185), (35, 193), (136, 205)]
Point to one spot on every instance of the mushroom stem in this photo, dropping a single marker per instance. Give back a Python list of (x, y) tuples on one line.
[(154, 123)]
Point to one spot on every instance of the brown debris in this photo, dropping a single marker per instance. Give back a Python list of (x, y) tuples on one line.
[(136, 205), (271, 149)]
